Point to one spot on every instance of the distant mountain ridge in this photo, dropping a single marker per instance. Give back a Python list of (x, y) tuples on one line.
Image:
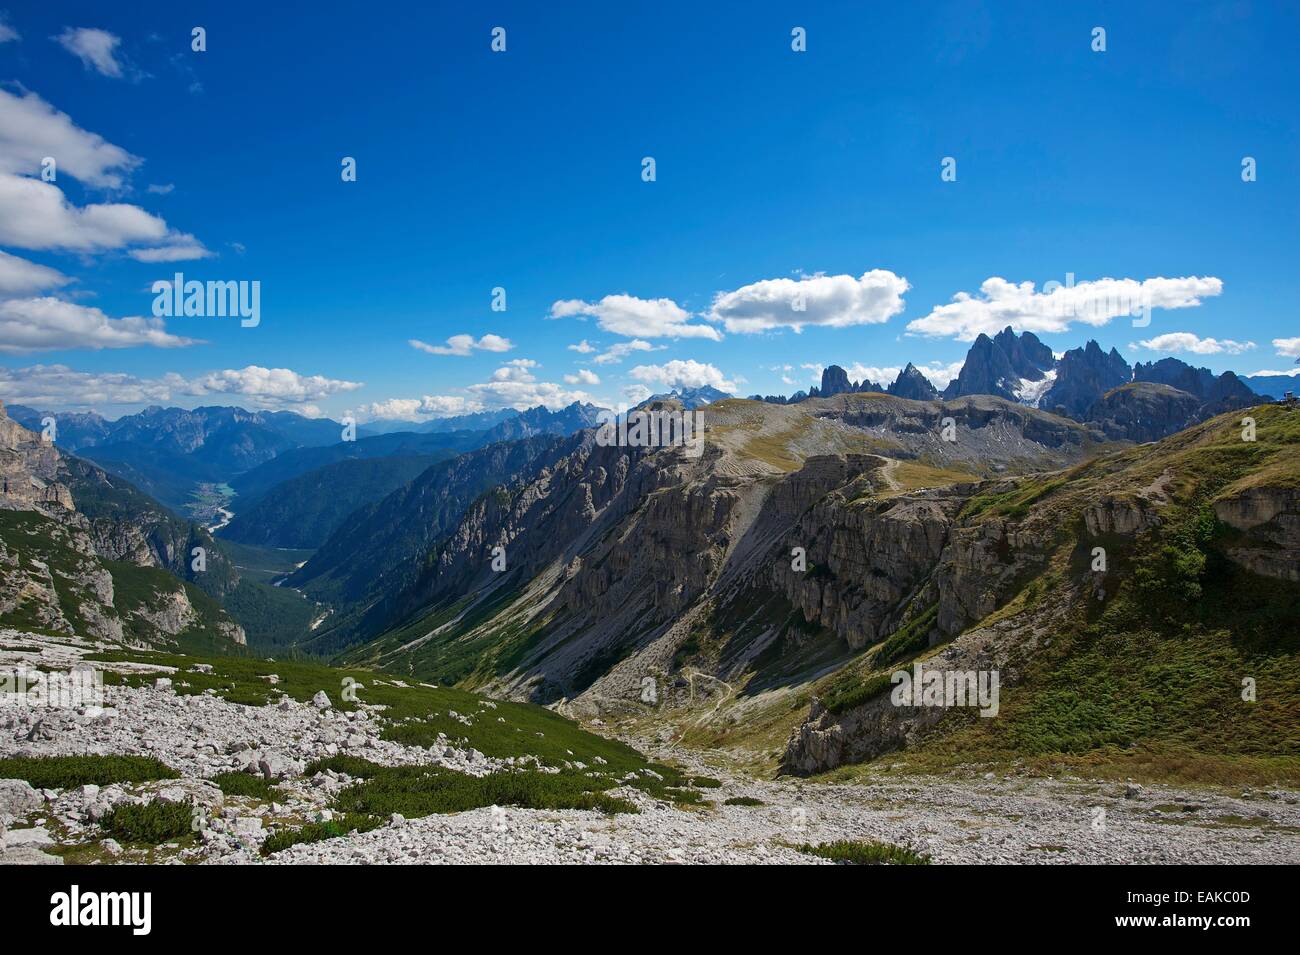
[(689, 398), (1020, 368)]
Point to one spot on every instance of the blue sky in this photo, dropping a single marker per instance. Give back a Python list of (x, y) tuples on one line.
[(778, 174)]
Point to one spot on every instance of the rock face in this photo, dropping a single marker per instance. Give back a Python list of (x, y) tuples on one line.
[(1143, 411), (910, 383), (29, 468), (1030, 359), (1005, 365), (1217, 394), (613, 555), (1082, 376), (835, 381), (826, 740), (986, 371), (867, 560), (52, 573), (541, 420), (1269, 519), (1146, 410)]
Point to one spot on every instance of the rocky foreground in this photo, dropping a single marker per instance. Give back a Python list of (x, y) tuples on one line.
[(978, 820)]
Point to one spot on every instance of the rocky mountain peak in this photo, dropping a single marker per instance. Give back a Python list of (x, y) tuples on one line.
[(911, 383)]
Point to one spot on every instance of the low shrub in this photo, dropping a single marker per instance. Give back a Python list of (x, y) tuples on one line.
[(65, 772), (151, 822), (853, 852)]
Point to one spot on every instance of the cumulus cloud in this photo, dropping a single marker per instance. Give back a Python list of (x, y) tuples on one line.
[(582, 348), (269, 387), (97, 49), (31, 129), (1187, 342), (159, 189), (416, 409), (58, 386), (835, 301), (683, 374), (582, 377), (1287, 347), (45, 324), (514, 386), (20, 277), (36, 215), (635, 394), (7, 33), (620, 350), (463, 345), (1000, 303), (636, 317)]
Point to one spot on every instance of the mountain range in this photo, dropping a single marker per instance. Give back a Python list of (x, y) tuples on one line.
[(812, 547), (1080, 384)]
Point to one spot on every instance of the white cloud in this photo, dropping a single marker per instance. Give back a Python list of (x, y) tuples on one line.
[(513, 386), (620, 350), (269, 387), (583, 377), (157, 189), (58, 386), (44, 324), (834, 301), (636, 317), (1287, 372), (1287, 347), (35, 215), (20, 277), (582, 348), (183, 248), (416, 409), (55, 387), (635, 394), (683, 374), (1187, 342), (1000, 303), (7, 33), (463, 345), (95, 48), (939, 374), (31, 129)]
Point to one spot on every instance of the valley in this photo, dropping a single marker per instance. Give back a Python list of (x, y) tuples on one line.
[(740, 613)]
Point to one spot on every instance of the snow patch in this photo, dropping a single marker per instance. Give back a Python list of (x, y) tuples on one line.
[(1031, 392)]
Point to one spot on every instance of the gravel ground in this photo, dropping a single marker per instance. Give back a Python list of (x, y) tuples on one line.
[(979, 820)]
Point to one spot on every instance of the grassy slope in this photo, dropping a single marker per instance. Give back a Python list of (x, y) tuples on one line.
[(32, 536), (1148, 683)]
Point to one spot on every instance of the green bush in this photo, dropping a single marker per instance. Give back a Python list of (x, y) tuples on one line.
[(908, 640), (853, 852), (353, 766), (65, 772), (246, 784), (152, 822), (417, 791), (319, 832), (850, 691), (743, 801)]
